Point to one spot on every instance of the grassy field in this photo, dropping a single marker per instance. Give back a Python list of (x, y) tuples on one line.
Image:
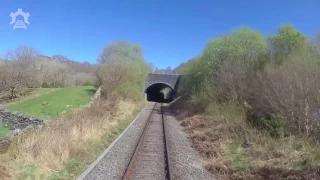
[(51, 104), (31, 93), (39, 91), (4, 131)]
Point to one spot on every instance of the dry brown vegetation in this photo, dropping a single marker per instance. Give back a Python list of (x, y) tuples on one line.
[(290, 91), (67, 138), (5, 173), (234, 150)]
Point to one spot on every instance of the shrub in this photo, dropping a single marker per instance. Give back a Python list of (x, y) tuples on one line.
[(88, 83), (123, 70), (232, 81), (45, 85), (273, 124), (292, 91)]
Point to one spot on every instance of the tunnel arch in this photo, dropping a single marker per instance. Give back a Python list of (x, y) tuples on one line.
[(155, 82), (154, 92), (160, 84)]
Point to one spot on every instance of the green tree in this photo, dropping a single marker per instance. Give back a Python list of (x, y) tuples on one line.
[(287, 42), (244, 45), (124, 49), (123, 70), (193, 75)]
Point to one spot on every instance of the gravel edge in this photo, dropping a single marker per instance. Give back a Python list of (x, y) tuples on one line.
[(185, 164)]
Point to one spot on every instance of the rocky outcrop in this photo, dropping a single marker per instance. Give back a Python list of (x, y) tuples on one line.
[(16, 120), (18, 123)]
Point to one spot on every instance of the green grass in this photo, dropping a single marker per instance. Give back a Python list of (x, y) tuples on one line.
[(234, 151), (52, 104), (31, 93), (4, 131), (39, 90)]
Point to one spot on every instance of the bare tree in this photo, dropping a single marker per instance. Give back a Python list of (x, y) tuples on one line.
[(22, 53), (12, 77), (292, 90), (315, 45), (232, 81), (79, 79), (168, 70), (112, 74), (56, 73), (60, 58), (17, 71)]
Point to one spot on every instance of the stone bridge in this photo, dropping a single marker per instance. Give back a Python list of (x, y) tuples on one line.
[(161, 87)]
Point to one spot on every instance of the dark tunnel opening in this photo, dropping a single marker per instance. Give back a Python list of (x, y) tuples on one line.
[(159, 92)]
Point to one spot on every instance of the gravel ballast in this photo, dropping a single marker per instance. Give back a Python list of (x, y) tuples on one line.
[(148, 162), (184, 161), (113, 162)]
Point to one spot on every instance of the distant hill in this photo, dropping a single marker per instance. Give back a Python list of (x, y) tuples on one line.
[(81, 67), (77, 67), (84, 67)]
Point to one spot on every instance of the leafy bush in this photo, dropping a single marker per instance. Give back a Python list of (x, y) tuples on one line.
[(45, 85), (88, 83), (273, 124), (123, 72)]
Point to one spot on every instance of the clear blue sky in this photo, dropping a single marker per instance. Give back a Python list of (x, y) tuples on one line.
[(169, 31)]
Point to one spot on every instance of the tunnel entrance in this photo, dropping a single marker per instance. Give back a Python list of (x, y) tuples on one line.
[(159, 92)]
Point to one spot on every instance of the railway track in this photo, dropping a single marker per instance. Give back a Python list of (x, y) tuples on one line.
[(150, 159), (141, 152)]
